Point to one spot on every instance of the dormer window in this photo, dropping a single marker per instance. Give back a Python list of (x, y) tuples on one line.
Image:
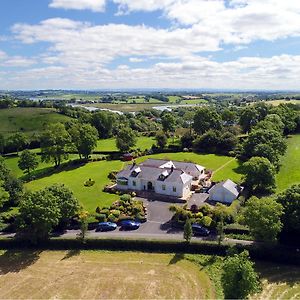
[(136, 172), (163, 175)]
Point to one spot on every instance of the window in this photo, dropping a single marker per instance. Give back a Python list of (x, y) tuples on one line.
[(133, 183), (122, 182), (163, 187), (174, 189)]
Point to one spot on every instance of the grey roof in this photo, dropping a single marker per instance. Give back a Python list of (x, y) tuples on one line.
[(153, 173), (185, 166), (229, 185)]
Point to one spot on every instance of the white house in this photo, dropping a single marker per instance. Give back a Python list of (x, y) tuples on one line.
[(225, 191), (164, 177)]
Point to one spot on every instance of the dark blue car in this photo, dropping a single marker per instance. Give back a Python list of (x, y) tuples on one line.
[(106, 226), (199, 230), (129, 225)]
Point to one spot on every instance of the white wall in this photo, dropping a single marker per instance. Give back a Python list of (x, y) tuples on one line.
[(221, 195)]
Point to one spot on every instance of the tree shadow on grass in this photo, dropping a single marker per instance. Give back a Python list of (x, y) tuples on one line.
[(48, 171), (71, 253), (13, 261), (176, 258), (240, 169)]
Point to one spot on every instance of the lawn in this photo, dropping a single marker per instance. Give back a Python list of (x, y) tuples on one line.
[(224, 167), (143, 143), (279, 281), (289, 173), (100, 275), (89, 197), (28, 120), (282, 101)]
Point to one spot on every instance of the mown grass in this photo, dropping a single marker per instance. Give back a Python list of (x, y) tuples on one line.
[(289, 173), (101, 274), (89, 197), (28, 120)]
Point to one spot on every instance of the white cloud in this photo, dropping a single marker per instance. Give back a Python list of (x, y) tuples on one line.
[(15, 61), (94, 5), (136, 59)]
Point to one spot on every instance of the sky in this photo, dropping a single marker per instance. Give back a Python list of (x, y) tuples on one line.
[(136, 44)]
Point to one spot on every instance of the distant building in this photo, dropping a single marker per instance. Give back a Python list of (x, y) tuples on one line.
[(165, 177), (225, 192)]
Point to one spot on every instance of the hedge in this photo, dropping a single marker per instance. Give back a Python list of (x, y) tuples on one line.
[(274, 253)]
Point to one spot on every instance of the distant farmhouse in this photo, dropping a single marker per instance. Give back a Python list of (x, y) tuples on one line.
[(164, 177)]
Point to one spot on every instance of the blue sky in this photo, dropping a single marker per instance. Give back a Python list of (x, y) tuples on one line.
[(94, 44)]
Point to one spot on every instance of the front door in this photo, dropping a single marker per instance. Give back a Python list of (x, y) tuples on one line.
[(150, 186)]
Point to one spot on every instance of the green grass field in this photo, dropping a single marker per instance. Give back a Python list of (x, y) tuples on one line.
[(28, 120), (89, 197), (100, 275), (289, 173), (282, 101)]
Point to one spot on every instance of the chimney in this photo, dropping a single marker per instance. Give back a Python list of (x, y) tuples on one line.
[(172, 169)]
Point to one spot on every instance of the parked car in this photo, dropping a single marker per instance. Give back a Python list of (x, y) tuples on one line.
[(129, 225), (106, 226), (199, 230)]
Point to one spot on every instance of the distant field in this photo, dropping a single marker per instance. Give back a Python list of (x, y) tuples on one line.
[(279, 281), (282, 101), (28, 120), (100, 275), (290, 171)]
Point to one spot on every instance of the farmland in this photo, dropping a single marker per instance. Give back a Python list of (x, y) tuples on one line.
[(289, 171), (28, 120), (101, 275)]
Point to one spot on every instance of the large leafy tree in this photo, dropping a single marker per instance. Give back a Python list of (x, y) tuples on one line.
[(104, 122), (206, 118), (266, 143), (39, 213), (28, 161), (55, 141), (168, 123), (239, 279), (126, 139), (66, 202), (288, 117), (2, 143), (263, 218), (187, 230), (248, 118), (290, 200), (161, 140), (4, 195), (19, 140), (84, 137), (259, 175)]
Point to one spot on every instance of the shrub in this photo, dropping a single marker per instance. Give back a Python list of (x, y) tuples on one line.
[(112, 175), (115, 212), (125, 198), (206, 221), (101, 217), (112, 218), (89, 183), (104, 211)]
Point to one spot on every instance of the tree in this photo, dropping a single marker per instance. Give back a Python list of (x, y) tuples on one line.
[(187, 230), (161, 140), (206, 118), (239, 279), (84, 137), (83, 219), (55, 141), (19, 140), (290, 200), (208, 142), (2, 143), (4, 195), (271, 122), (104, 122), (38, 214), (248, 118), (263, 218), (28, 161), (228, 115), (266, 143), (259, 175), (66, 202), (126, 139), (168, 123)]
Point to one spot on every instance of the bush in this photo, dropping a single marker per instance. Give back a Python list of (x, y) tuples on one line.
[(125, 198), (206, 221), (112, 218), (104, 211), (89, 183), (101, 217), (112, 175), (115, 212)]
